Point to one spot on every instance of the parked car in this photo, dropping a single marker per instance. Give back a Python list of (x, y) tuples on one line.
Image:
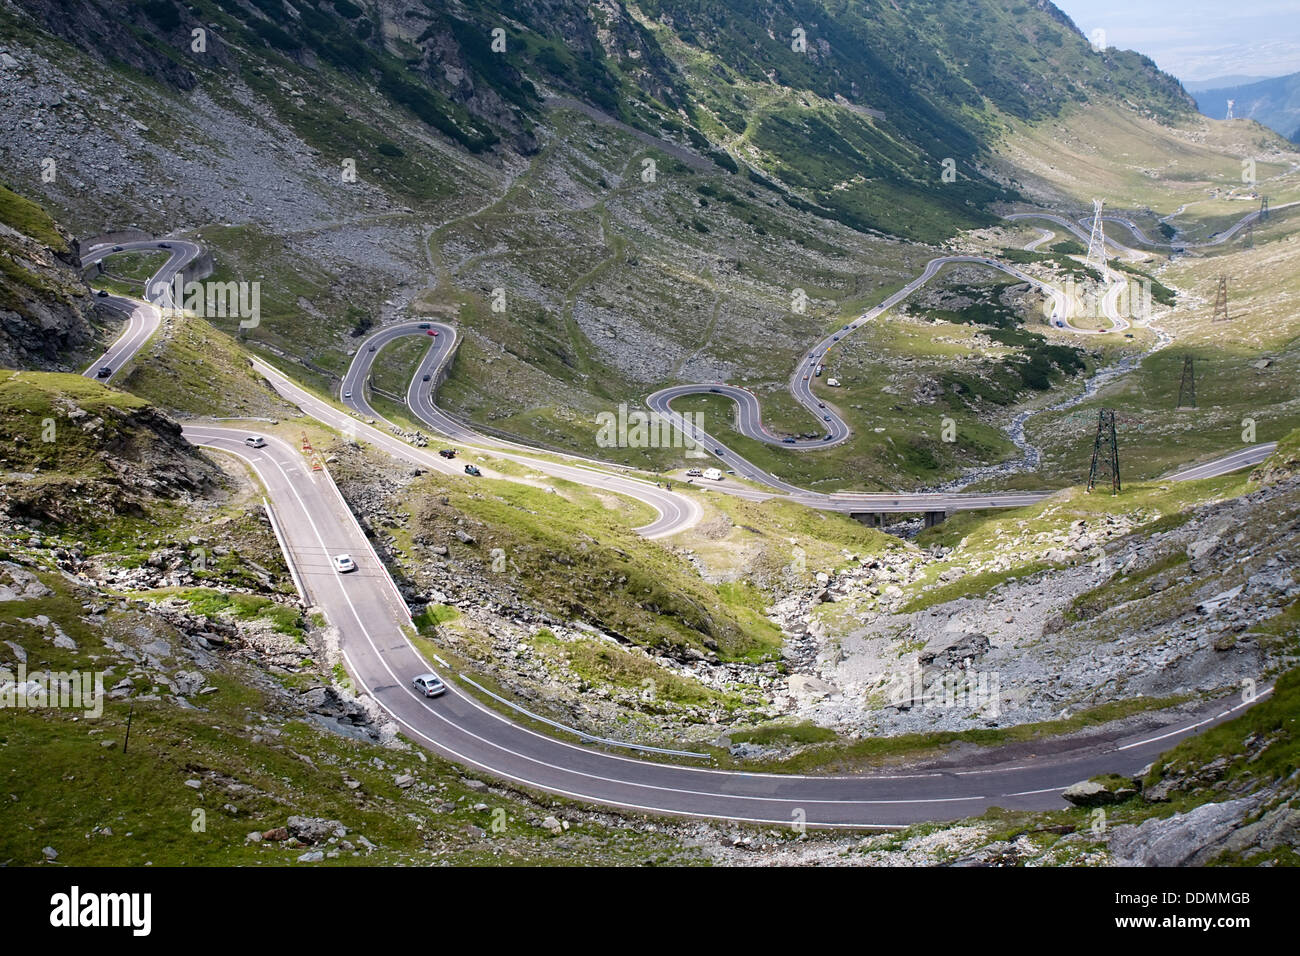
[(343, 563), (255, 441), (473, 470), (447, 452), (104, 372), (429, 685)]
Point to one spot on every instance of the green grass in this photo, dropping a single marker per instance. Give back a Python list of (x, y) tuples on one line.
[(783, 735), (573, 554), (243, 607), (30, 219)]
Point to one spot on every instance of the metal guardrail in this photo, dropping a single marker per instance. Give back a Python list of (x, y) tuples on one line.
[(584, 737)]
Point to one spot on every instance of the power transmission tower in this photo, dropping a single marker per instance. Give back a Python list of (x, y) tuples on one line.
[(1187, 387), (1250, 236), (1231, 104), (1097, 241), (1105, 452), (1263, 209), (1221, 301)]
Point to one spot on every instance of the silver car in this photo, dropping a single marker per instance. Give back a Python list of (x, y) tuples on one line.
[(429, 685)]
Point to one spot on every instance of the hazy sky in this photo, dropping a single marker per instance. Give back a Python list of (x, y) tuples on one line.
[(1199, 39)]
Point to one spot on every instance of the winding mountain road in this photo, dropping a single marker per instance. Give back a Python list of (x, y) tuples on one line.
[(374, 627), (143, 317), (373, 623)]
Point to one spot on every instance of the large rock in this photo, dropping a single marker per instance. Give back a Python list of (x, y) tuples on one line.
[(1088, 793), (1185, 839)]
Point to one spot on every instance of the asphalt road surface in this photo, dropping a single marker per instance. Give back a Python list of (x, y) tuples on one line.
[(143, 317), (370, 614)]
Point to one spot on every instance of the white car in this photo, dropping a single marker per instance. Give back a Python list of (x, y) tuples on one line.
[(255, 441), (429, 685), (347, 394), (343, 563)]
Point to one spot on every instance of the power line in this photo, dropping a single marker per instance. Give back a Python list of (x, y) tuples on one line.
[(1105, 452), (1221, 302), (1187, 387), (1097, 240)]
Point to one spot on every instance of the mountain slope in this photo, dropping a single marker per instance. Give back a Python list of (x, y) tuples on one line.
[(1273, 102)]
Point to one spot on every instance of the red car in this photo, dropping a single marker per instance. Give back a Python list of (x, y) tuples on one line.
[(433, 331)]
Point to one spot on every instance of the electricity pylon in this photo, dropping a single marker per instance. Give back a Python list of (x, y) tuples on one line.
[(1187, 387), (1221, 301), (1097, 241), (1263, 209), (1105, 452)]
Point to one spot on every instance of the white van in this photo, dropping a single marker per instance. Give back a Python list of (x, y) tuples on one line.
[(833, 382), (712, 474)]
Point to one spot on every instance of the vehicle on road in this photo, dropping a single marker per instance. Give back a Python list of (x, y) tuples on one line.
[(826, 418), (102, 294), (117, 248), (429, 685), (423, 325), (255, 441), (447, 452), (373, 347), (428, 378), (347, 394), (473, 470), (104, 372), (433, 331), (343, 563), (716, 391), (788, 441), (713, 474), (718, 451), (164, 245), (821, 404)]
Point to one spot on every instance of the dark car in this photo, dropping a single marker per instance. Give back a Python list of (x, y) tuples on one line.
[(102, 294), (117, 248), (717, 451), (788, 441), (447, 452), (716, 391), (164, 245), (373, 347), (104, 372), (826, 418), (423, 325), (428, 378), (473, 470)]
